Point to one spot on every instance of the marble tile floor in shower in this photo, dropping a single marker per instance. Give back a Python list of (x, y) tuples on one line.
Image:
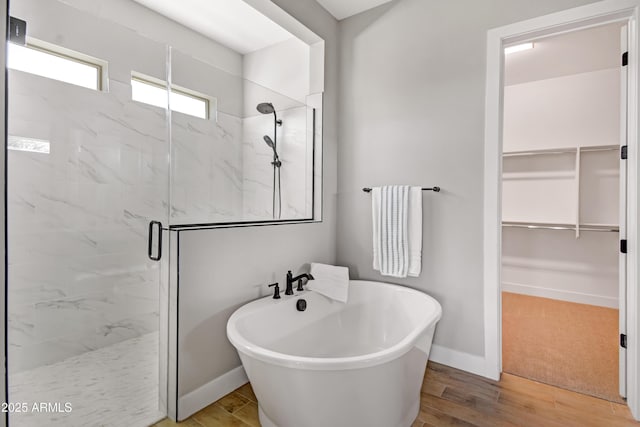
[(112, 386)]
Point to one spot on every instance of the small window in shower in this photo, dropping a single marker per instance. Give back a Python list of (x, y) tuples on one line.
[(154, 92), (57, 63)]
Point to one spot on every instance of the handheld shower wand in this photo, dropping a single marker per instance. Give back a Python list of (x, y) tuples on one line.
[(276, 160)]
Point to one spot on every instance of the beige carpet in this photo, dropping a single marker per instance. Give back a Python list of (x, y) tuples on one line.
[(569, 345)]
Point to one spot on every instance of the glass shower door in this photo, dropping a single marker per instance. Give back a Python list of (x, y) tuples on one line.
[(88, 170)]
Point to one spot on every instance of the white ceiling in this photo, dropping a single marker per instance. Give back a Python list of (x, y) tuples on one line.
[(576, 52), (234, 24), (345, 8)]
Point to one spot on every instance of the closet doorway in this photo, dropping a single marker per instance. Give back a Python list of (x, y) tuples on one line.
[(563, 296)]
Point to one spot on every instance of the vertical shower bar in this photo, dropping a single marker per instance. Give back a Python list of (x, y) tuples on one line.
[(273, 192)]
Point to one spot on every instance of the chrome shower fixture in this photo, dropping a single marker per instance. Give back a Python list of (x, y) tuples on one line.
[(276, 160), (268, 108)]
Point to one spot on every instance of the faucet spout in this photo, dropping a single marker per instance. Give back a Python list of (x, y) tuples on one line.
[(291, 280)]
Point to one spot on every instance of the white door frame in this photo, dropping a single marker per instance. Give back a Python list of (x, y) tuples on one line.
[(568, 20)]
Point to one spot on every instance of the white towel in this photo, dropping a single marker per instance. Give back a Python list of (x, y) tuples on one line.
[(397, 230), (330, 281), (415, 231)]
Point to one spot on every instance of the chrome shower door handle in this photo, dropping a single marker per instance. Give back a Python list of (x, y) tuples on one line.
[(150, 247)]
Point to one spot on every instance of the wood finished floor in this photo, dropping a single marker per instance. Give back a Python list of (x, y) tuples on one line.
[(455, 398)]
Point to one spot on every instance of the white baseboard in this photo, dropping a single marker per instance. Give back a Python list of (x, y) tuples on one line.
[(208, 393), (464, 361), (559, 294)]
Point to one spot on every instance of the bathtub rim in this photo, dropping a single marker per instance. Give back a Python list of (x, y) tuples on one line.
[(402, 347)]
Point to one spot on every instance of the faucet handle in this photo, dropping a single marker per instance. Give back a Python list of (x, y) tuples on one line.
[(300, 288), (309, 277), (276, 292)]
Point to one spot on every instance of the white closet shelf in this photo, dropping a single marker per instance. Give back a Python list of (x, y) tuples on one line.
[(562, 226), (537, 175), (544, 151)]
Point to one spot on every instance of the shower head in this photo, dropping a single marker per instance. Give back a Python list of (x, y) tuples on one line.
[(269, 142), (266, 108)]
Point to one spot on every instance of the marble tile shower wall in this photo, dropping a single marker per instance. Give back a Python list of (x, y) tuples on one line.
[(222, 170), (79, 277), (295, 153), (207, 161), (206, 155)]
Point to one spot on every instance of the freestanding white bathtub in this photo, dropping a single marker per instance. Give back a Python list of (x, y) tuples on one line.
[(359, 364)]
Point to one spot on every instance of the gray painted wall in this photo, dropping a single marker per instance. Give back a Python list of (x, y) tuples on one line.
[(412, 91), (222, 269)]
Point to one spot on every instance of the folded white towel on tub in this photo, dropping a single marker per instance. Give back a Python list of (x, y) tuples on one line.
[(397, 230), (330, 280)]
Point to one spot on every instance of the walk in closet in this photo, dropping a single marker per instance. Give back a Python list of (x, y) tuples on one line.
[(561, 191)]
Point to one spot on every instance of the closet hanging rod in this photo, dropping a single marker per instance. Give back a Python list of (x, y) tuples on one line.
[(435, 189), (605, 228), (560, 150)]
